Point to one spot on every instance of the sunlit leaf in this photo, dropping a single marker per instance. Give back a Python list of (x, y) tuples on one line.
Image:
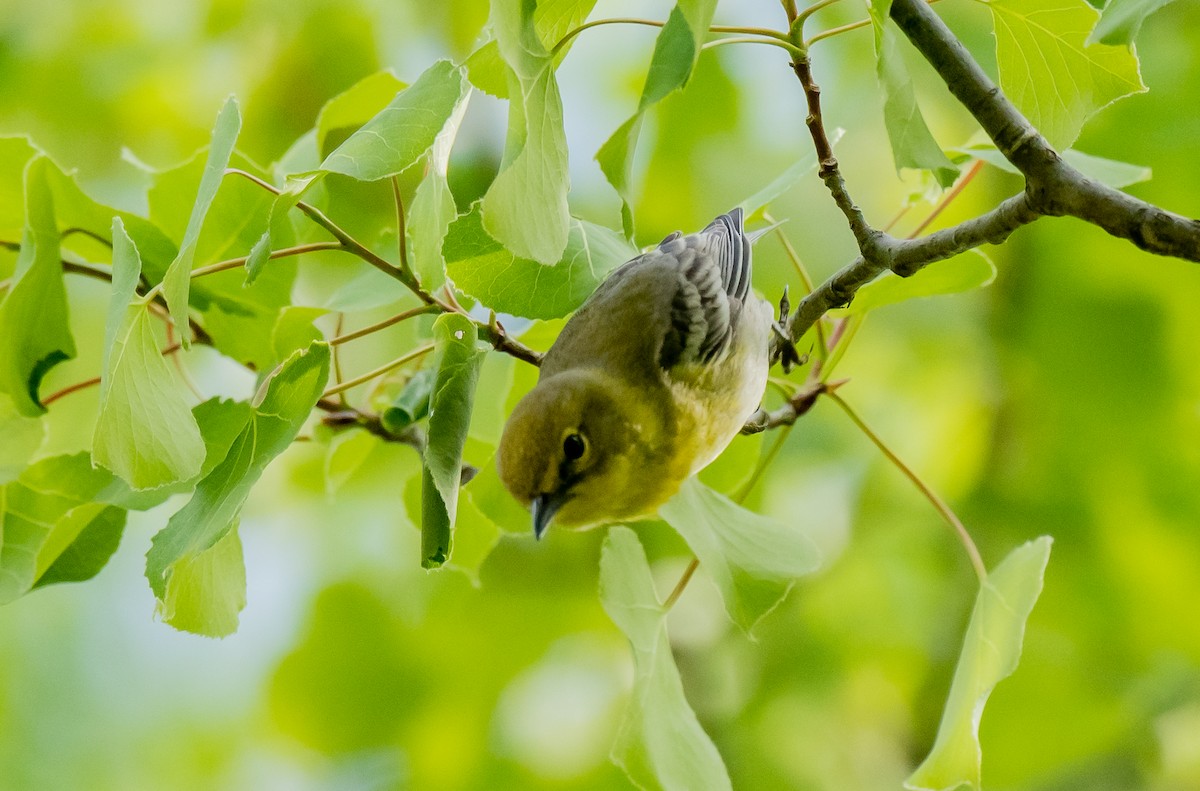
[(526, 206), (345, 113), (219, 496), (457, 365), (1121, 20), (145, 432), (661, 744), (294, 330), (177, 280), (966, 272), (207, 590), (34, 334), (752, 559), (485, 269), (675, 53), (45, 512), (913, 145), (1051, 73), (991, 651), (1110, 172)]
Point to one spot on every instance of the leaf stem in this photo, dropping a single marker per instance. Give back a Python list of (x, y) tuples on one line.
[(95, 380), (937, 502), (380, 371), (380, 325), (835, 31), (792, 49), (401, 232), (754, 31), (683, 582), (948, 197), (234, 263)]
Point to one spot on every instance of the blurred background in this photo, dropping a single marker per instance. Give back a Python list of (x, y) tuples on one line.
[(1062, 400)]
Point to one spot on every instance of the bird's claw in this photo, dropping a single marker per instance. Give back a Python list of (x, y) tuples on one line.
[(783, 350)]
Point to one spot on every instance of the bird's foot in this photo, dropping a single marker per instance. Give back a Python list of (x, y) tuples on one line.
[(783, 349)]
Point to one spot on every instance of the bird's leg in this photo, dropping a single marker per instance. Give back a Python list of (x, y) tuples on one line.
[(783, 350)]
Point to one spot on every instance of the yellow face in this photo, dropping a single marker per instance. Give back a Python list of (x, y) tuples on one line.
[(570, 452)]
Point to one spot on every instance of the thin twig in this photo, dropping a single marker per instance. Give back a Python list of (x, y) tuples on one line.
[(401, 231), (420, 351), (234, 263), (754, 31), (683, 582), (937, 502)]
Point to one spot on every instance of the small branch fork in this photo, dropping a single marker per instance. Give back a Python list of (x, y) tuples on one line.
[(1053, 188)]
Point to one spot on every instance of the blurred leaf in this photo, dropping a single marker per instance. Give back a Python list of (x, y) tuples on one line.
[(15, 153), (177, 281), (207, 590), (488, 495), (217, 501), (759, 202), (483, 268), (1121, 21), (433, 208), (661, 744), (991, 651), (45, 511), (525, 208), (965, 272), (752, 559), (913, 145), (345, 686), (34, 333), (1049, 71), (23, 437), (145, 432), (1110, 172), (457, 365), (294, 330), (345, 455), (345, 113), (412, 403), (675, 53)]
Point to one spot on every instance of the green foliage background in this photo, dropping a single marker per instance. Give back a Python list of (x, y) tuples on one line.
[(1062, 400)]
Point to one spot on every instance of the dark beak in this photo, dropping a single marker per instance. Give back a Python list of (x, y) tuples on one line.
[(544, 507)]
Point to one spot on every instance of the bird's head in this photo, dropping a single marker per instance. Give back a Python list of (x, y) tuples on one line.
[(569, 450)]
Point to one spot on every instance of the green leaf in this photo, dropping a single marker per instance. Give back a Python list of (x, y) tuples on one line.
[(482, 267), (23, 437), (676, 51), (1109, 172), (433, 208), (1051, 73), (913, 145), (752, 559), (552, 19), (1121, 20), (660, 744), (525, 207), (294, 330), (34, 333), (177, 281), (991, 651), (15, 153), (965, 272), (145, 432), (215, 505), (207, 590), (48, 512), (457, 364), (402, 132), (342, 115)]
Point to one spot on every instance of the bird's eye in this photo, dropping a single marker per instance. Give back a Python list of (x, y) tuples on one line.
[(574, 446)]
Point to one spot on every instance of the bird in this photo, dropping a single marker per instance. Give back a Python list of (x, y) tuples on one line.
[(646, 384)]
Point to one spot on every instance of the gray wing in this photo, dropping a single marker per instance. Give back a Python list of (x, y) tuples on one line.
[(713, 271)]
